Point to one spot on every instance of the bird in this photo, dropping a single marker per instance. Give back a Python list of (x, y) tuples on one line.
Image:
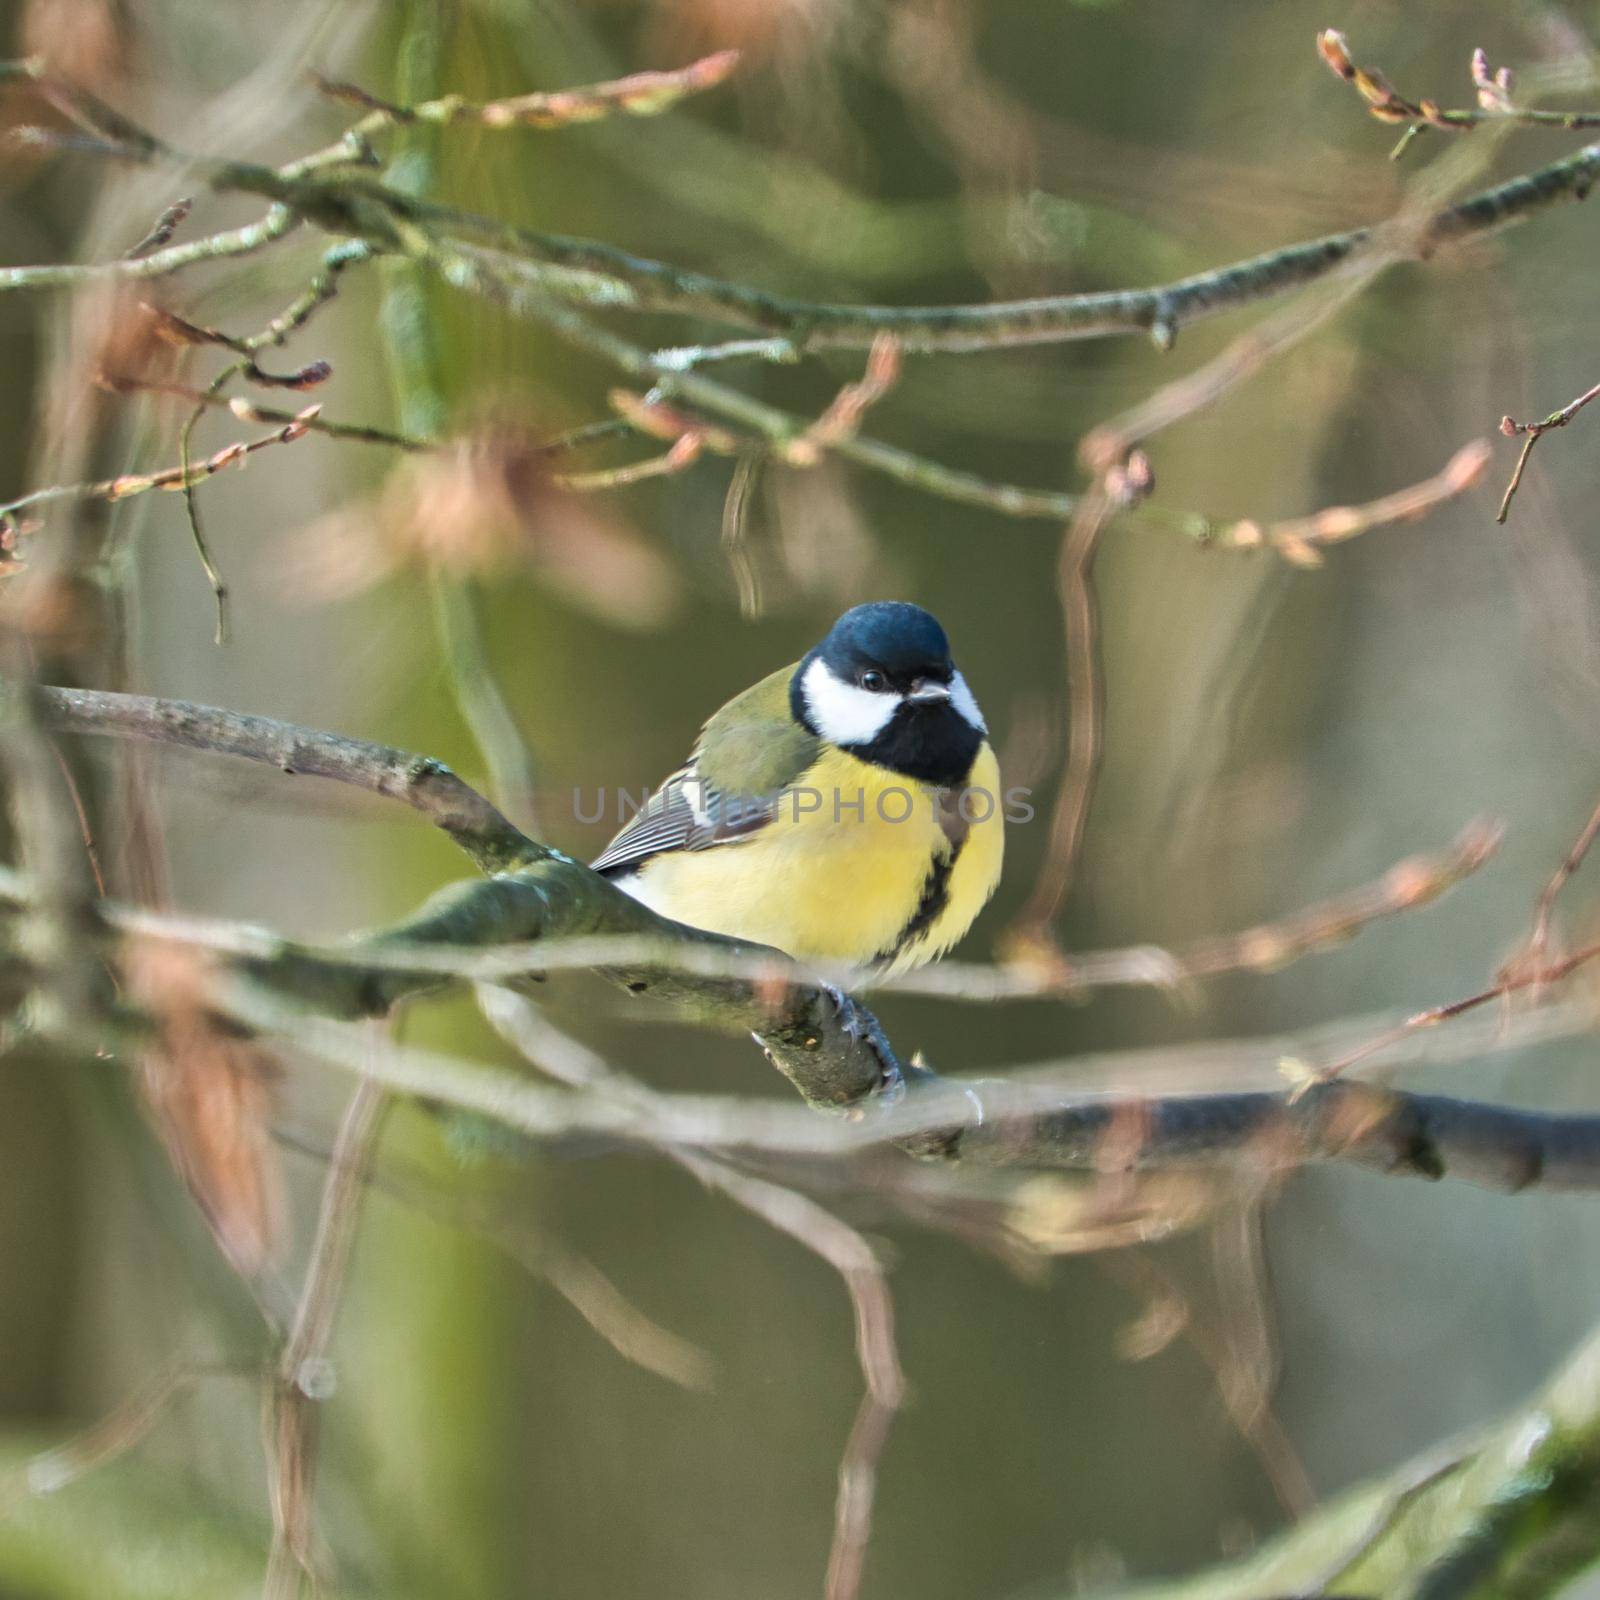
[(844, 810)]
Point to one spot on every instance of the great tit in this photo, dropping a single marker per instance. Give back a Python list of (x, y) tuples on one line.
[(845, 809)]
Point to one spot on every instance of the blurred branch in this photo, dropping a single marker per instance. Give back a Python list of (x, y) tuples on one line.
[(356, 206), (643, 94), (120, 1430), (1084, 715), (829, 1237), (131, 1530), (1243, 1387), (590, 1293), (412, 353), (303, 1375), (1267, 947), (1508, 1511), (1545, 906), (1300, 540), (1239, 361)]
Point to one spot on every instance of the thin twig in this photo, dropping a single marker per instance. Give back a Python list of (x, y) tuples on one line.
[(1246, 1406), (1267, 947), (1544, 907), (421, 782), (576, 1279), (829, 1062), (120, 1430), (1508, 983), (1535, 431), (1080, 618), (359, 208), (1300, 540), (736, 534), (191, 504), (161, 233), (790, 1212), (170, 478), (162, 263), (643, 94), (1387, 104), (303, 1378)]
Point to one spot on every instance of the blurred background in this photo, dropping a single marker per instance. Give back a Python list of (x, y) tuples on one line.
[(1272, 736)]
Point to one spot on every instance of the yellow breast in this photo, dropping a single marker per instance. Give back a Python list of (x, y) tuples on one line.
[(856, 867)]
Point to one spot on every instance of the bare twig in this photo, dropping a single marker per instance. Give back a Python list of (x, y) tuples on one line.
[(122, 1429), (643, 94), (388, 220), (1267, 947), (1387, 104), (161, 233), (179, 477), (576, 1279), (843, 417), (1534, 432), (1085, 690), (428, 785), (1508, 983), (1544, 907), (830, 1062), (160, 263), (303, 1377), (1242, 1394), (1242, 359), (683, 454), (790, 1212), (1300, 540)]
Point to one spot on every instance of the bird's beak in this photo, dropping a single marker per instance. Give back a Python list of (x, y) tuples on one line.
[(923, 691)]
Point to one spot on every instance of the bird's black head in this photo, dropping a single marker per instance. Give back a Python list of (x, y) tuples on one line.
[(882, 685), (889, 639)]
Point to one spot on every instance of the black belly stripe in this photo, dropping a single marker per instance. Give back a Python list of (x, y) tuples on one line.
[(935, 897)]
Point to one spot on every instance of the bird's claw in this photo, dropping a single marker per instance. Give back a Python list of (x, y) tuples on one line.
[(861, 1027)]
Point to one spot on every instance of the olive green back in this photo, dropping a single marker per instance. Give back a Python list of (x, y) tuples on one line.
[(753, 745)]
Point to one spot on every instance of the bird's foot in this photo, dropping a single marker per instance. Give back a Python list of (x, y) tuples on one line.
[(861, 1027)]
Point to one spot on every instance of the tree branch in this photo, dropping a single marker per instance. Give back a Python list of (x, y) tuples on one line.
[(830, 1048), (421, 782), (356, 206)]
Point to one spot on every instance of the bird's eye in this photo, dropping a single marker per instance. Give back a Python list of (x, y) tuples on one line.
[(873, 681)]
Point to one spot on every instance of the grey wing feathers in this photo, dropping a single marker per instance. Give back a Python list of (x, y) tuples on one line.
[(685, 813)]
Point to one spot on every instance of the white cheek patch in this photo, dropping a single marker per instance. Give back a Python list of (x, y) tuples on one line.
[(961, 698), (843, 713)]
